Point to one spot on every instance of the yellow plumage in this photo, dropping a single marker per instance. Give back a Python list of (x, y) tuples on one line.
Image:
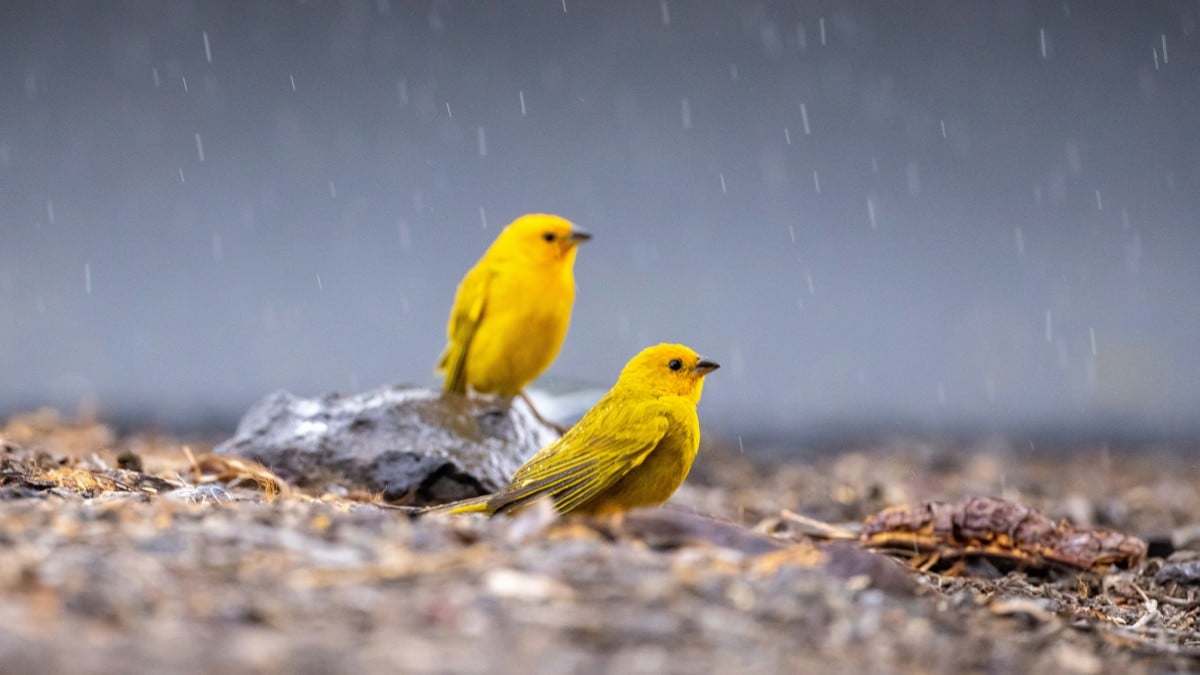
[(512, 309), (633, 448)]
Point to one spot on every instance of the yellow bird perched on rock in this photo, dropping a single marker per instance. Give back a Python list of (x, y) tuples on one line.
[(513, 307), (634, 448)]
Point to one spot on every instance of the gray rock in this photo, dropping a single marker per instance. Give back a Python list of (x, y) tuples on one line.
[(413, 445)]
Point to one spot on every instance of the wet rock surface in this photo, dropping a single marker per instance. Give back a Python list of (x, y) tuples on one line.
[(409, 444)]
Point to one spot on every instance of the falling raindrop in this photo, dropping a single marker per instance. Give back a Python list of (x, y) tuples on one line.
[(792, 233), (816, 181), (821, 26), (448, 113), (1020, 235), (185, 87), (207, 48), (1155, 50), (87, 278), (722, 176), (912, 176), (1074, 160), (332, 190), (181, 175), (1049, 326), (787, 136), (808, 279), (402, 92), (1125, 218), (733, 72), (481, 138), (521, 96), (804, 118), (1133, 254), (292, 79), (871, 210), (1092, 337), (685, 109), (199, 147), (874, 165), (1164, 49), (50, 211), (943, 124), (666, 13), (1042, 41), (156, 78), (1099, 201), (564, 4), (320, 286), (483, 217)]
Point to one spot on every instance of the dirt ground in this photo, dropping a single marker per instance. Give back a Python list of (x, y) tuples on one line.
[(142, 553)]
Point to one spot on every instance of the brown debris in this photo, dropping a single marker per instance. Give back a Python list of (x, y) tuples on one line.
[(991, 527), (233, 471)]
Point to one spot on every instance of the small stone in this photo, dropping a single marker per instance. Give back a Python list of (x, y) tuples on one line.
[(510, 583), (1179, 573)]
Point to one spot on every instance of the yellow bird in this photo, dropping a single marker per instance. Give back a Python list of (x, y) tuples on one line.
[(634, 448), (513, 307)]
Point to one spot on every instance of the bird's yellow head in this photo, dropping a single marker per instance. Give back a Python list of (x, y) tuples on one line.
[(540, 237), (667, 369)]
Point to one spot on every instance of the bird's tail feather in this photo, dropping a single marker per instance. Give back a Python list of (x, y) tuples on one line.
[(452, 367), (472, 505)]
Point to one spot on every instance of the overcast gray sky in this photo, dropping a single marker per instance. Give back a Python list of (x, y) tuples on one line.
[(952, 212)]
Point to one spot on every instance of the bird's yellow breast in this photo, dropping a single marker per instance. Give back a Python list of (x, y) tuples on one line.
[(525, 323)]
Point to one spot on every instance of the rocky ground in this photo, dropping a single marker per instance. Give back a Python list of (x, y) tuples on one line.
[(144, 553)]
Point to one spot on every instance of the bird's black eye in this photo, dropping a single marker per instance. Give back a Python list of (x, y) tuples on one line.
[(675, 364), (549, 236)]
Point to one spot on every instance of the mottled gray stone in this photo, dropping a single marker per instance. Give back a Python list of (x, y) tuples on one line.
[(411, 444)]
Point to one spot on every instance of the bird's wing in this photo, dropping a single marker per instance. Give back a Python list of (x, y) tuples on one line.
[(593, 456), (469, 304)]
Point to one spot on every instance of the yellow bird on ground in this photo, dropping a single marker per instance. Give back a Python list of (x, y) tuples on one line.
[(633, 448), (513, 307)]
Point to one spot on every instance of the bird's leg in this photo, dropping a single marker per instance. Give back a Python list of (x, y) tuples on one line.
[(538, 416)]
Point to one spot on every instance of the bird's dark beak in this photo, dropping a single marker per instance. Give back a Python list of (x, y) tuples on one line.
[(704, 366), (579, 236)]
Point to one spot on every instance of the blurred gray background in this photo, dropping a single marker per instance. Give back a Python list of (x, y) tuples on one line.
[(959, 213)]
